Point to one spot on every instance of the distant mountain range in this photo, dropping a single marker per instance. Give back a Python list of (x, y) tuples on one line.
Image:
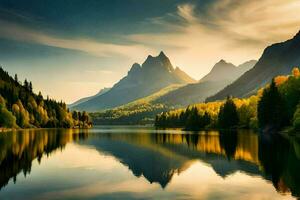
[(227, 71), (143, 110), (222, 74), (142, 92), (277, 59), (157, 73), (142, 80)]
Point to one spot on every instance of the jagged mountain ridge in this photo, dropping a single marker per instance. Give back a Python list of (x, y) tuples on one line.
[(142, 80)]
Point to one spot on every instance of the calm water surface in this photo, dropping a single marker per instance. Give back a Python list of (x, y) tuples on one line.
[(142, 163)]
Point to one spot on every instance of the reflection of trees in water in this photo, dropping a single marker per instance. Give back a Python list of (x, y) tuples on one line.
[(228, 142), (19, 149), (277, 158), (281, 163)]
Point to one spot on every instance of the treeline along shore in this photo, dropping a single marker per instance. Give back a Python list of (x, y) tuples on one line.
[(274, 107)]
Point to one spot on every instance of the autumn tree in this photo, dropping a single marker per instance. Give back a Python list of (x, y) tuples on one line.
[(296, 72), (7, 120)]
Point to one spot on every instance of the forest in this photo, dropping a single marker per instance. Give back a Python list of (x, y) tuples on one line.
[(20, 107), (274, 107)]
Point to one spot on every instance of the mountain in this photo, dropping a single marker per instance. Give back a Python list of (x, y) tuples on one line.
[(222, 74), (227, 71), (143, 110), (277, 59), (102, 91), (142, 80)]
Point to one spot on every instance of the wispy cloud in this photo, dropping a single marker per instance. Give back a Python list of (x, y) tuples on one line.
[(186, 11), (18, 32), (235, 30), (263, 22), (194, 38)]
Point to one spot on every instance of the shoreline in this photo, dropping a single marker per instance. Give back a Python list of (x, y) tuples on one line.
[(4, 130)]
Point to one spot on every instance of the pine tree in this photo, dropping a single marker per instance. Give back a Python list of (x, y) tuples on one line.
[(16, 78), (193, 120), (26, 84), (228, 115), (30, 86), (271, 112)]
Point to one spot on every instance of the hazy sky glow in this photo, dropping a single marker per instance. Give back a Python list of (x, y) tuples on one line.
[(73, 48)]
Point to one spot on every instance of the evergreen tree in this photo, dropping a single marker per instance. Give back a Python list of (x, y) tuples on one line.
[(30, 86), (228, 115), (16, 78), (206, 119), (26, 84), (271, 112), (193, 120)]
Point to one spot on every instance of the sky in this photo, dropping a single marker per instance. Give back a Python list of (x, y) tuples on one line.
[(72, 48)]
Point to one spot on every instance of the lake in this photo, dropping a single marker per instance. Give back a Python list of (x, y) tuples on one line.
[(143, 163)]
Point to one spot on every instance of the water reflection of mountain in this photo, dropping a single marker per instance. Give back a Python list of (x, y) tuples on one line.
[(19, 149), (142, 156), (159, 156)]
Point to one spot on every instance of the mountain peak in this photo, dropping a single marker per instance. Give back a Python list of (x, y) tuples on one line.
[(222, 61), (223, 71), (222, 64), (135, 68), (159, 62), (162, 55), (149, 57)]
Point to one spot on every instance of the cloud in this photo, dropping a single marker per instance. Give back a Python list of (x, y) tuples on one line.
[(194, 36), (235, 30), (264, 22), (20, 33), (186, 11)]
